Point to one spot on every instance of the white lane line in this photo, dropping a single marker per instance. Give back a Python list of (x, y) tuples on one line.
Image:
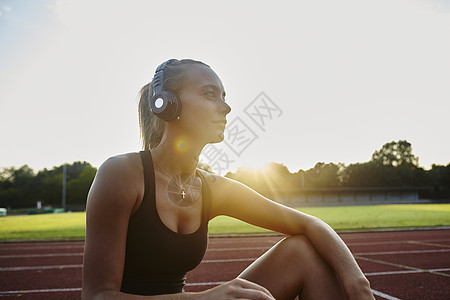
[(429, 244), (357, 255), (41, 291), (227, 249), (33, 247), (33, 268), (401, 266), (79, 289), (213, 242), (395, 242), (40, 255), (406, 272), (403, 252), (383, 295)]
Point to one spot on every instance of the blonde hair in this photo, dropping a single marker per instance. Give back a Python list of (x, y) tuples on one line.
[(152, 127)]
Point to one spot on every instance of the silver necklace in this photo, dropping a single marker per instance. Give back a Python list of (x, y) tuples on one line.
[(182, 189)]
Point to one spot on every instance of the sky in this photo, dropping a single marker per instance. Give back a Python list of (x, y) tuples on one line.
[(308, 81)]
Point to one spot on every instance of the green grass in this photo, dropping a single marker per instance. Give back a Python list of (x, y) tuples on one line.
[(356, 217), (44, 226), (72, 225)]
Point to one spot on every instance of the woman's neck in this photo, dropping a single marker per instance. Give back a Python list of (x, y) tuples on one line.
[(177, 155)]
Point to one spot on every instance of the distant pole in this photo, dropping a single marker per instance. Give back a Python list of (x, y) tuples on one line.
[(302, 180), (64, 187)]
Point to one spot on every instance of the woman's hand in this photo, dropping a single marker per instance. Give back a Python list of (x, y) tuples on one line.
[(237, 289)]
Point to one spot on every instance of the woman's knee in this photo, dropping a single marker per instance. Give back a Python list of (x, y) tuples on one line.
[(316, 277), (299, 247), (290, 267)]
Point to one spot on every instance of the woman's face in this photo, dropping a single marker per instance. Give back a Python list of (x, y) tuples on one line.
[(203, 107)]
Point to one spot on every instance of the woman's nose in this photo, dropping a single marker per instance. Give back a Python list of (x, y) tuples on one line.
[(225, 107)]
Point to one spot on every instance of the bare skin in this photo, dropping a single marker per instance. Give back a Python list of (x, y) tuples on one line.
[(313, 261)]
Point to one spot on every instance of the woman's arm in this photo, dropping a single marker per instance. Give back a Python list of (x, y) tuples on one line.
[(111, 200), (234, 199)]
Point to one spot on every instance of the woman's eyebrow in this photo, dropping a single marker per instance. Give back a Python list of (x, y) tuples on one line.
[(214, 87)]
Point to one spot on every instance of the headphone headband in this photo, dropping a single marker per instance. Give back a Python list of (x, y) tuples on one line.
[(158, 79)]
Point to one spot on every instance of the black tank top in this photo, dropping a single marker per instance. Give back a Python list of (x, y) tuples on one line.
[(157, 258)]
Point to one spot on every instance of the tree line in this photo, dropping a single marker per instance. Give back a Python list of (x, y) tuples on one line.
[(23, 188), (394, 165)]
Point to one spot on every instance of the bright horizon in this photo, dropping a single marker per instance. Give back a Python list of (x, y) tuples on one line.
[(343, 77)]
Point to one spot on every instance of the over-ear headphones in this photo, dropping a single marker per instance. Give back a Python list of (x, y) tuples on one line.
[(164, 104)]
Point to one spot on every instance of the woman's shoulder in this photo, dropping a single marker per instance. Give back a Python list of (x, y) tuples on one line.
[(123, 163), (123, 171), (208, 176), (221, 188), (216, 181), (119, 180)]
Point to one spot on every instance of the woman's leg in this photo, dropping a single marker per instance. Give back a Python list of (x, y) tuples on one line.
[(293, 267)]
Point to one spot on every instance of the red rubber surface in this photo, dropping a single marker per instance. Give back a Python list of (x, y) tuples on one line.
[(399, 265)]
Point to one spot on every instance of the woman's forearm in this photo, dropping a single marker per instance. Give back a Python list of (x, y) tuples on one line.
[(334, 251)]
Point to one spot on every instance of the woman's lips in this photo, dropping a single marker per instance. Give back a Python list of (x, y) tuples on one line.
[(224, 122)]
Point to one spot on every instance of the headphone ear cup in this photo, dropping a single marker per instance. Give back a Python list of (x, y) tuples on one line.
[(166, 106)]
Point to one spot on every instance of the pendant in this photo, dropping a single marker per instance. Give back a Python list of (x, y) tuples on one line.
[(183, 194)]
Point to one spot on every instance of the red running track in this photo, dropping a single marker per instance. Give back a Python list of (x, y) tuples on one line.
[(399, 265)]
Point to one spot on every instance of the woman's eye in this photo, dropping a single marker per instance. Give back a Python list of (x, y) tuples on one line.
[(210, 95)]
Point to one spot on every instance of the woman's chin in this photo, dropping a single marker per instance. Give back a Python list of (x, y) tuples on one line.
[(217, 139)]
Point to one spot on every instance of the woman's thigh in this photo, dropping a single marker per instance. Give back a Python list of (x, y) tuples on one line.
[(293, 267)]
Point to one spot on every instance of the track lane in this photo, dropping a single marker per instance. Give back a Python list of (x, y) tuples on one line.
[(400, 265)]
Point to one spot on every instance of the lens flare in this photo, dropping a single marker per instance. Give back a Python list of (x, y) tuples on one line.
[(181, 144)]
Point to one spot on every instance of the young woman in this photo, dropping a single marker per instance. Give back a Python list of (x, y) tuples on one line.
[(147, 212)]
